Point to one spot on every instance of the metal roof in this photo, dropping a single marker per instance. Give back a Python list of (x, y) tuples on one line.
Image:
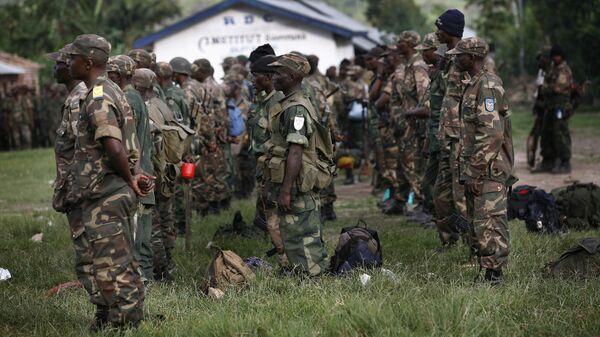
[(7, 69), (314, 13)]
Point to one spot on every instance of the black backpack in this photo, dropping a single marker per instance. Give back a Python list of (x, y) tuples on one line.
[(536, 207), (357, 247)]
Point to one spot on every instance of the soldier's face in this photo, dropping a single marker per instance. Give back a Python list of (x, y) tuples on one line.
[(114, 76), (61, 72), (442, 36), (282, 79), (464, 61), (429, 56), (79, 67), (262, 81)]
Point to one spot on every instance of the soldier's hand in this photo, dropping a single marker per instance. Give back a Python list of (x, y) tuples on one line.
[(147, 183), (139, 184), (284, 200), (473, 186)]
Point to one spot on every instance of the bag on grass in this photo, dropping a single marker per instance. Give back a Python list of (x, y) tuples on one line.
[(357, 247), (227, 269), (578, 205), (536, 207), (581, 260)]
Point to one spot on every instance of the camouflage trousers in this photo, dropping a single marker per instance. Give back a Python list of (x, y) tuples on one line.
[(408, 175), (21, 137), (555, 140), (301, 232), (210, 183), (229, 173), (448, 193), (143, 241), (489, 224), (84, 258), (164, 234), (179, 204), (327, 195), (108, 225), (268, 209), (245, 174), (429, 178)]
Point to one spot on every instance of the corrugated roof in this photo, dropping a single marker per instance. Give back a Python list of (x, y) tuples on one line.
[(315, 13)]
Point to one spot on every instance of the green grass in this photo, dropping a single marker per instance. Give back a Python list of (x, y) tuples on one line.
[(431, 294)]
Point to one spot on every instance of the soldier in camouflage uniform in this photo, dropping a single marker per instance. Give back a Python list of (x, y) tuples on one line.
[(449, 200), (486, 158), (267, 100), (556, 148), (106, 183), (120, 69), (176, 102), (164, 233), (143, 59), (412, 91), (291, 127), (19, 119), (323, 88), (64, 149)]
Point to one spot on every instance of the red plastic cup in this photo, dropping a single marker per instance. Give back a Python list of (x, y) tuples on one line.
[(188, 170)]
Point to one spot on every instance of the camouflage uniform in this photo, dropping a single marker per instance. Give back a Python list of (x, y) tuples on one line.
[(258, 122), (449, 193), (64, 149), (556, 140), (108, 204), (486, 158), (353, 91), (20, 122), (293, 122)]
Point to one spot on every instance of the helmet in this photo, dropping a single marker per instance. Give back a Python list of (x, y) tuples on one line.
[(181, 65)]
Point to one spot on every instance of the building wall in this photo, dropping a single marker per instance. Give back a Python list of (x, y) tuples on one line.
[(241, 29)]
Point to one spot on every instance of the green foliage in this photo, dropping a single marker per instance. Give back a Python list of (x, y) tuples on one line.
[(396, 15), (33, 27)]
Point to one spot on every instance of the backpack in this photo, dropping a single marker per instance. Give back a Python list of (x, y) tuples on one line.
[(237, 126), (581, 260), (536, 207), (357, 247), (227, 269), (578, 205), (176, 137)]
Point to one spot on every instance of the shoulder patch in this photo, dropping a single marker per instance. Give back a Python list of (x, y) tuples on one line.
[(98, 92), (489, 104), (298, 123)]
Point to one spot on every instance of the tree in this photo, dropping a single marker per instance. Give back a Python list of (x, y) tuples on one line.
[(396, 16)]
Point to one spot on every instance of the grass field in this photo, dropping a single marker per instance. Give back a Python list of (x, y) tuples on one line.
[(430, 295)]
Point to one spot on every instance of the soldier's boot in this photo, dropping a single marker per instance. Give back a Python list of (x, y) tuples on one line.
[(494, 276), (349, 177), (544, 167), (100, 318), (564, 167), (225, 204), (327, 213), (392, 207)]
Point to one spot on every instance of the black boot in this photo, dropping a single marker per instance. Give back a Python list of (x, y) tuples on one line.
[(563, 168), (327, 213), (544, 167), (349, 177), (100, 318), (392, 207), (494, 276)]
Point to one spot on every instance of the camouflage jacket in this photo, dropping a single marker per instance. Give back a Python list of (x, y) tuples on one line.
[(487, 151), (194, 94), (415, 82), (436, 96), (353, 90), (218, 103), (142, 128), (453, 89), (322, 87), (175, 99), (64, 147), (258, 120), (557, 85), (104, 113)]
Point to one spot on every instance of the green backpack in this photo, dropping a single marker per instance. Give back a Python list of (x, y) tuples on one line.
[(578, 205), (581, 260)]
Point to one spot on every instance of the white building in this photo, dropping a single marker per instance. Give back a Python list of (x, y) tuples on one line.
[(235, 27)]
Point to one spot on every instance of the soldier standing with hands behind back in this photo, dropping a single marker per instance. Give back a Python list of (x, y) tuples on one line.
[(487, 157)]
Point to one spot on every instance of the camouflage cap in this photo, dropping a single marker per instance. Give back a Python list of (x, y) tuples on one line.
[(471, 45), (142, 57), (121, 64), (430, 41), (90, 45), (409, 36), (60, 55), (181, 66), (229, 61), (354, 70), (164, 70), (294, 62), (143, 78)]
